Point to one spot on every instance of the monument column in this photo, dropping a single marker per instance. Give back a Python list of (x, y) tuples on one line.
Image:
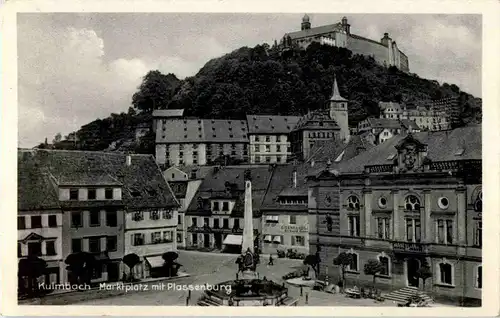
[(248, 243)]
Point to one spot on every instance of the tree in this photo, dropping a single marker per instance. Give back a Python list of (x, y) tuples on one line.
[(343, 260), (131, 260), (424, 273), (155, 92), (29, 269), (313, 261), (170, 265), (80, 266), (57, 138), (373, 267)]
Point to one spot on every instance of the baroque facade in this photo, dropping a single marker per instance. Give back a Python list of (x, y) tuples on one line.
[(414, 201)]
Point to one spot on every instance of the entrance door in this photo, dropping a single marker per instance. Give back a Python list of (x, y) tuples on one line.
[(206, 240), (412, 266), (113, 272), (218, 240)]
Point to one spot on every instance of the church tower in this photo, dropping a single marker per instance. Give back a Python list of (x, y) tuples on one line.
[(305, 25), (338, 111)]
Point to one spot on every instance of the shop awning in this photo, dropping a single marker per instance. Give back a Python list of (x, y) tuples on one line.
[(233, 240), (155, 261), (267, 238), (277, 239)]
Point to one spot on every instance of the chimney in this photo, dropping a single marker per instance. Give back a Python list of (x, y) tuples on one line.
[(294, 178), (128, 160)]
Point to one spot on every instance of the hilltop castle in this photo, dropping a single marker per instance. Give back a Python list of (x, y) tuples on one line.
[(385, 52)]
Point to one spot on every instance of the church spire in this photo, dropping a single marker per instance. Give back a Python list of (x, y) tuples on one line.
[(335, 93)]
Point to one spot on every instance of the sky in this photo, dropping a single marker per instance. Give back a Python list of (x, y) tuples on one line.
[(76, 67)]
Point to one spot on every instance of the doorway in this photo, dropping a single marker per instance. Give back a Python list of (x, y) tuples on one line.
[(218, 240), (206, 240), (113, 272), (412, 266)]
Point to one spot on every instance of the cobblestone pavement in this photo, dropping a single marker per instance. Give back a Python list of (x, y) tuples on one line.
[(209, 268)]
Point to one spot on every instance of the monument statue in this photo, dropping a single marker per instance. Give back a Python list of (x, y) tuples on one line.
[(247, 262)]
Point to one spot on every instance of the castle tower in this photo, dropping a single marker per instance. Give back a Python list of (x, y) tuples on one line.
[(387, 41), (338, 111), (305, 25), (346, 26)]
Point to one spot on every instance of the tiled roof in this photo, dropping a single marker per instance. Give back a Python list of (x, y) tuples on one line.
[(441, 146), (409, 124), (168, 113), (319, 119), (385, 105), (262, 124), (203, 130), (142, 177), (214, 186), (340, 150), (315, 31), (282, 186), (384, 123)]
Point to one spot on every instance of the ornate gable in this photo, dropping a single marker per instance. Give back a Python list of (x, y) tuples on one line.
[(33, 237), (412, 154)]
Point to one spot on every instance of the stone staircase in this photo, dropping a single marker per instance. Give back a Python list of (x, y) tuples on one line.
[(401, 296), (207, 302)]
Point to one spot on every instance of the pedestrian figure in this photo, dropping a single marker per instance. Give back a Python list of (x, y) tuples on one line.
[(270, 260)]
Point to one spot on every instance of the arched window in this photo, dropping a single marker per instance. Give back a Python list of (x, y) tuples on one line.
[(478, 203), (412, 203), (353, 203), (354, 265), (445, 273), (479, 277), (386, 264)]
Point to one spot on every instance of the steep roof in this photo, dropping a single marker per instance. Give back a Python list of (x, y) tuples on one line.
[(316, 120), (214, 186), (441, 146), (340, 150), (385, 105), (79, 168), (202, 130), (335, 93), (269, 124), (315, 31)]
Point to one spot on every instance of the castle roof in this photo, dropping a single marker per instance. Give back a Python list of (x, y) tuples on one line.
[(335, 93), (40, 172), (269, 124), (315, 31)]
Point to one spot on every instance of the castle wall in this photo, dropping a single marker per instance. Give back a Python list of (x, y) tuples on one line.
[(404, 65), (378, 51)]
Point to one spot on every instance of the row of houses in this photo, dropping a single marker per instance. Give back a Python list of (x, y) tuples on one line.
[(414, 200)]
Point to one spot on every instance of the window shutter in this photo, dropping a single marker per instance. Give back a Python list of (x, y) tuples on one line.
[(132, 239)]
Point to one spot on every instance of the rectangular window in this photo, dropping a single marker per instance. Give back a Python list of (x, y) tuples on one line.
[(298, 240), (445, 271), (225, 223), (278, 148), (179, 237), (278, 159), (449, 231), (478, 234), (111, 242), (353, 225), (413, 230), (216, 223), (268, 139), (479, 283), (257, 138), (168, 236), (91, 194), (440, 231), (156, 238), (154, 215), (194, 222), (236, 223), (216, 206), (111, 218), (385, 266), (225, 206), (94, 244), (95, 218), (52, 220), (138, 239), (179, 219), (36, 221), (194, 237), (76, 245), (383, 228), (19, 250), (73, 194), (206, 221), (34, 249), (21, 223), (268, 159), (97, 271), (293, 219), (50, 247), (268, 148), (257, 159), (108, 194), (353, 266)]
